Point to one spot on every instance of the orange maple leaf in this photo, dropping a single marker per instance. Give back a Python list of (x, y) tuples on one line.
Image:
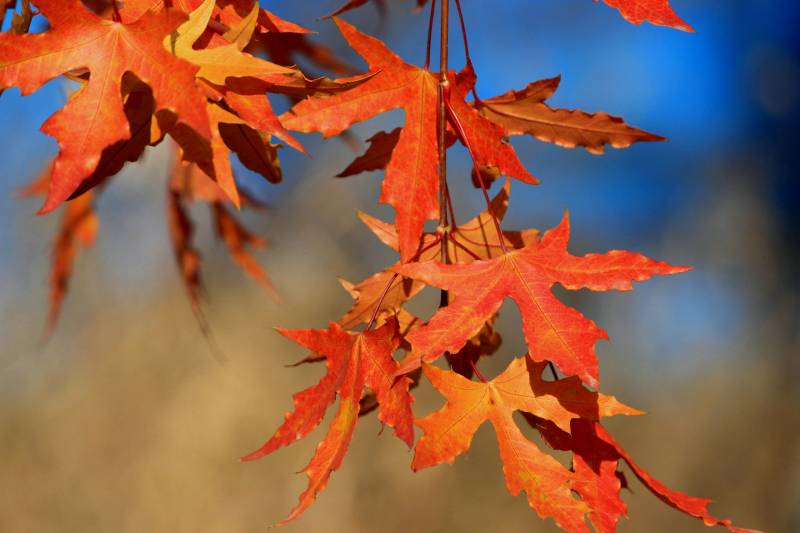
[(354, 360), (95, 118), (448, 432)]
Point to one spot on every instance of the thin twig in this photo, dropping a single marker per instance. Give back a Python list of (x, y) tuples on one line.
[(385, 291), (477, 372), (430, 34), (469, 252), (466, 45), (441, 127), (453, 223), (380, 302), (459, 129), (116, 16), (5, 7)]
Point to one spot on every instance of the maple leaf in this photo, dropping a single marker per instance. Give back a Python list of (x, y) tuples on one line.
[(595, 464), (657, 12), (353, 360), (219, 63), (379, 152), (553, 331), (283, 49), (228, 12), (214, 160), (411, 181), (269, 22), (256, 111), (382, 288), (79, 39), (524, 112), (448, 432), (20, 22), (226, 60), (487, 142), (240, 32), (222, 56), (353, 4), (253, 148), (228, 132), (79, 224)]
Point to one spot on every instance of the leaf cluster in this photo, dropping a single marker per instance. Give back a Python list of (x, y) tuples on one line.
[(199, 74)]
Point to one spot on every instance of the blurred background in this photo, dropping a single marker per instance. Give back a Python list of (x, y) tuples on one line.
[(125, 421)]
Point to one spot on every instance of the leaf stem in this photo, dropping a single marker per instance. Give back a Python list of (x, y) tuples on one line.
[(553, 370), (466, 45), (430, 34), (388, 286), (441, 128), (459, 129), (4, 9), (453, 224), (116, 16), (466, 250), (477, 372), (377, 309)]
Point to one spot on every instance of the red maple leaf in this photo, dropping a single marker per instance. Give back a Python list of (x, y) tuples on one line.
[(554, 332), (658, 12), (354, 360)]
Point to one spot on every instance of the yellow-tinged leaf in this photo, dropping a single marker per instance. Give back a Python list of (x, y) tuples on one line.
[(223, 62)]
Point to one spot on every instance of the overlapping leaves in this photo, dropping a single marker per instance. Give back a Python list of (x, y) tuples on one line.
[(411, 182), (79, 39), (160, 70)]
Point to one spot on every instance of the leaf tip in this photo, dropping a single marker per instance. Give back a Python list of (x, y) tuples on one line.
[(409, 364), (680, 269), (49, 205), (252, 456)]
